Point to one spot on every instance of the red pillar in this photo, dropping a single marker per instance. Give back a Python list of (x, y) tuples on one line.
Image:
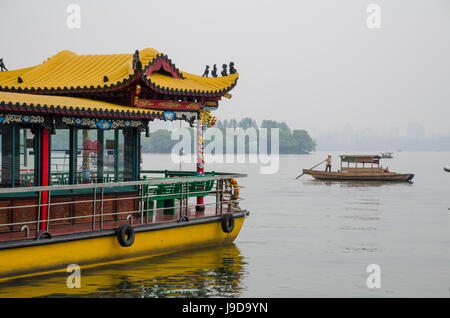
[(200, 160), (45, 147)]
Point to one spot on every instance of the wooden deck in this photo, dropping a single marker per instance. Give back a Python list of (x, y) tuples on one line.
[(157, 218)]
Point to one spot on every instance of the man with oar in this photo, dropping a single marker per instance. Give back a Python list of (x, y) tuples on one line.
[(328, 166), (328, 160)]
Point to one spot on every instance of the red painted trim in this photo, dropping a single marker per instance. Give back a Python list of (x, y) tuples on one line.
[(45, 164), (162, 64), (77, 112), (167, 105)]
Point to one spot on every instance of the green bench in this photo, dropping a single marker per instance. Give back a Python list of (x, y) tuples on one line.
[(166, 194)]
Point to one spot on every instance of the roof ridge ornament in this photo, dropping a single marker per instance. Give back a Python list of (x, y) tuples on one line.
[(137, 65), (232, 69), (2, 65), (206, 73), (214, 71), (224, 70)]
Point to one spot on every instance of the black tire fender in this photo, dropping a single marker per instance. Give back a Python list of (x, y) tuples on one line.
[(125, 235), (227, 223), (45, 234), (184, 218)]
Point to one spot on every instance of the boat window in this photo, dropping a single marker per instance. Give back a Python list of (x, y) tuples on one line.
[(60, 157), (76, 156), (27, 153), (113, 159), (126, 155), (8, 164), (92, 156), (17, 156), (87, 165), (120, 155), (10, 161), (106, 156)]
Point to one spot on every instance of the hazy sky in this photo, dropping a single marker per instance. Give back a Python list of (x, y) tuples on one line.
[(313, 64)]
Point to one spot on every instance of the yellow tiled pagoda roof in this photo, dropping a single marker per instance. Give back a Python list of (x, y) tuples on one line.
[(68, 72), (32, 102)]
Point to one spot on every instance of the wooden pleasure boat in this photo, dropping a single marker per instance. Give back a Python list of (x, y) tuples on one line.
[(72, 186)]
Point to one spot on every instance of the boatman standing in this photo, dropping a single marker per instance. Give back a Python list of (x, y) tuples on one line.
[(328, 162)]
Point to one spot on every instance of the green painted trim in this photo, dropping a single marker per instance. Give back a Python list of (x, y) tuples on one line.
[(50, 137), (89, 191), (100, 155), (116, 155), (73, 145), (13, 157), (136, 147), (37, 155), (19, 195), (348, 159)]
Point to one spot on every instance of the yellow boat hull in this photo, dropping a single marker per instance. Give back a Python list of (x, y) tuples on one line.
[(19, 261)]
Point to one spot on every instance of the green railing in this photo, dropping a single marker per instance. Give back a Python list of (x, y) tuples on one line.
[(166, 194), (163, 194), (62, 177)]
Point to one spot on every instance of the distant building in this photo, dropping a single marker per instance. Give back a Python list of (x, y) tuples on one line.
[(416, 131)]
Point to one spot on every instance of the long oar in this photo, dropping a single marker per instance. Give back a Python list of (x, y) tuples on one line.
[(312, 168)]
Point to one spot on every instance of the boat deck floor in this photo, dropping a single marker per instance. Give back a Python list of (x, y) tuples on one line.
[(158, 217)]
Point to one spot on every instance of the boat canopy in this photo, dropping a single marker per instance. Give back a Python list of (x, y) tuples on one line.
[(361, 158)]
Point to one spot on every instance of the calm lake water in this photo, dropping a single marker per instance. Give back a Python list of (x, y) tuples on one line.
[(303, 238)]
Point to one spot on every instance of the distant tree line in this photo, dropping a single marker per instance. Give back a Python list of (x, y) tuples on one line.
[(290, 141)]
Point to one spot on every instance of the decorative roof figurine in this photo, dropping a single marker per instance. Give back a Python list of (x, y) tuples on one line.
[(232, 69), (206, 73), (207, 119), (137, 65), (214, 71), (2, 65), (224, 70)]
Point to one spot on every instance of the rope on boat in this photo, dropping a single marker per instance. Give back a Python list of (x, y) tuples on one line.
[(232, 192)]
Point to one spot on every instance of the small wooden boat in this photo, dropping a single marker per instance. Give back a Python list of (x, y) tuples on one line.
[(361, 173), (387, 155)]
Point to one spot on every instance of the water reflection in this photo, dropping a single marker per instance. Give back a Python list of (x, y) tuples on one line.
[(210, 272)]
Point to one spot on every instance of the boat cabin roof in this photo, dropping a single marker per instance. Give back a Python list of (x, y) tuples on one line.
[(361, 158), (70, 73)]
